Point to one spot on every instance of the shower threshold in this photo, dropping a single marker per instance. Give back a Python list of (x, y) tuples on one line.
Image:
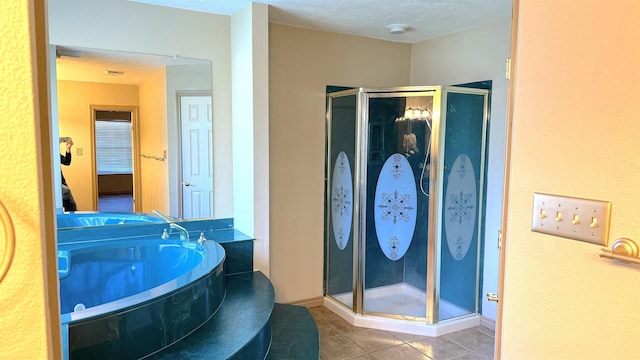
[(401, 300)]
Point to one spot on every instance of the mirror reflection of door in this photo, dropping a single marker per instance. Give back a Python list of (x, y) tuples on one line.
[(197, 156), (114, 160)]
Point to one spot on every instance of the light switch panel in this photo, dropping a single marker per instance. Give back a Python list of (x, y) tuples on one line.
[(573, 218)]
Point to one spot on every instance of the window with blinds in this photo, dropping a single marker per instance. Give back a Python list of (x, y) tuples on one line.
[(113, 147)]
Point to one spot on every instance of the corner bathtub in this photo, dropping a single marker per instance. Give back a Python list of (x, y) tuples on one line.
[(130, 298)]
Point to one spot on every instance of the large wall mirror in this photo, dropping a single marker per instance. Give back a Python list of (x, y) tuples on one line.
[(141, 127)]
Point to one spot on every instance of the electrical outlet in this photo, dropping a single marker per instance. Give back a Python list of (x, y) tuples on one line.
[(570, 217)]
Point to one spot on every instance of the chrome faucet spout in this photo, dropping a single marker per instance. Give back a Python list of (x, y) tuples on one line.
[(184, 234), (165, 217)]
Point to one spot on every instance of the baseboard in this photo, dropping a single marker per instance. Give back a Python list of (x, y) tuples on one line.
[(488, 323), (309, 303)]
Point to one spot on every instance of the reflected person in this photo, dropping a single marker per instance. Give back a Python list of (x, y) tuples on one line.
[(68, 202)]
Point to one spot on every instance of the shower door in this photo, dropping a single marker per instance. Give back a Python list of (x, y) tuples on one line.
[(404, 192), (395, 220), (340, 196), (461, 156)]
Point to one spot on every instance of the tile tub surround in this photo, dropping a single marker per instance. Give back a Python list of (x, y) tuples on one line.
[(146, 319), (248, 324), (237, 245)]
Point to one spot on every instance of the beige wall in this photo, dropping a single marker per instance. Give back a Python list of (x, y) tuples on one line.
[(302, 63), (28, 288), (575, 132), (153, 142), (74, 110)]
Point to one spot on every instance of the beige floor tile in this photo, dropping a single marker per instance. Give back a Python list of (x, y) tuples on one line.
[(472, 339), (340, 340), (439, 348), (321, 312), (487, 331), (363, 357), (341, 325), (338, 348), (399, 352), (325, 329), (372, 339), (408, 337), (473, 356)]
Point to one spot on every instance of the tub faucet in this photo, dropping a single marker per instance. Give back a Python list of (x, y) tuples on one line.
[(164, 217), (184, 234)]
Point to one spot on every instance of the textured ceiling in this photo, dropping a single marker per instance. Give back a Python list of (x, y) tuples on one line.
[(369, 18), (91, 65)]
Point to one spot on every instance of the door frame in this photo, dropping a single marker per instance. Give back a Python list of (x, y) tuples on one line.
[(179, 95), (135, 146), (502, 241)]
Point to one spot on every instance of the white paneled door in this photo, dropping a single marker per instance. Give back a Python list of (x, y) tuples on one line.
[(197, 157)]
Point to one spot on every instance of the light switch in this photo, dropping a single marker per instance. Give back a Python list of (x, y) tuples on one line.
[(79, 151), (573, 218)]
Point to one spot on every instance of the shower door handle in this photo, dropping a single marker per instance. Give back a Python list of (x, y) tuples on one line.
[(492, 297)]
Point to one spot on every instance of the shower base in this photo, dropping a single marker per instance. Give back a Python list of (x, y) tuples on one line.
[(404, 303)]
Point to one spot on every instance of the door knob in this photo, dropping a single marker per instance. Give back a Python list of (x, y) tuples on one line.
[(492, 297), (186, 183)]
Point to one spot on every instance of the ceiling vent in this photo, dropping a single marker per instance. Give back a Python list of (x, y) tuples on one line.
[(113, 72)]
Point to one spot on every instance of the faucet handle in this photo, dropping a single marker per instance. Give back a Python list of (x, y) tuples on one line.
[(165, 234), (202, 239)]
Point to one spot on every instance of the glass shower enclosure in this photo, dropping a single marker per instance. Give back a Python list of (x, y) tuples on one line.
[(404, 192)]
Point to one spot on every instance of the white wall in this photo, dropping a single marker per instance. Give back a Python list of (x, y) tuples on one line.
[(143, 28), (468, 56), (250, 59)]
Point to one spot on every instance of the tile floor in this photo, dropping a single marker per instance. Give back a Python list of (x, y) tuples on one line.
[(341, 340)]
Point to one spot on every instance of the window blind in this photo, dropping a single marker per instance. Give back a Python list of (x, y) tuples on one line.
[(113, 147)]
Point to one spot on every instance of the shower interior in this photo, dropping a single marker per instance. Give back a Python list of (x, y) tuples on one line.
[(399, 245)]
